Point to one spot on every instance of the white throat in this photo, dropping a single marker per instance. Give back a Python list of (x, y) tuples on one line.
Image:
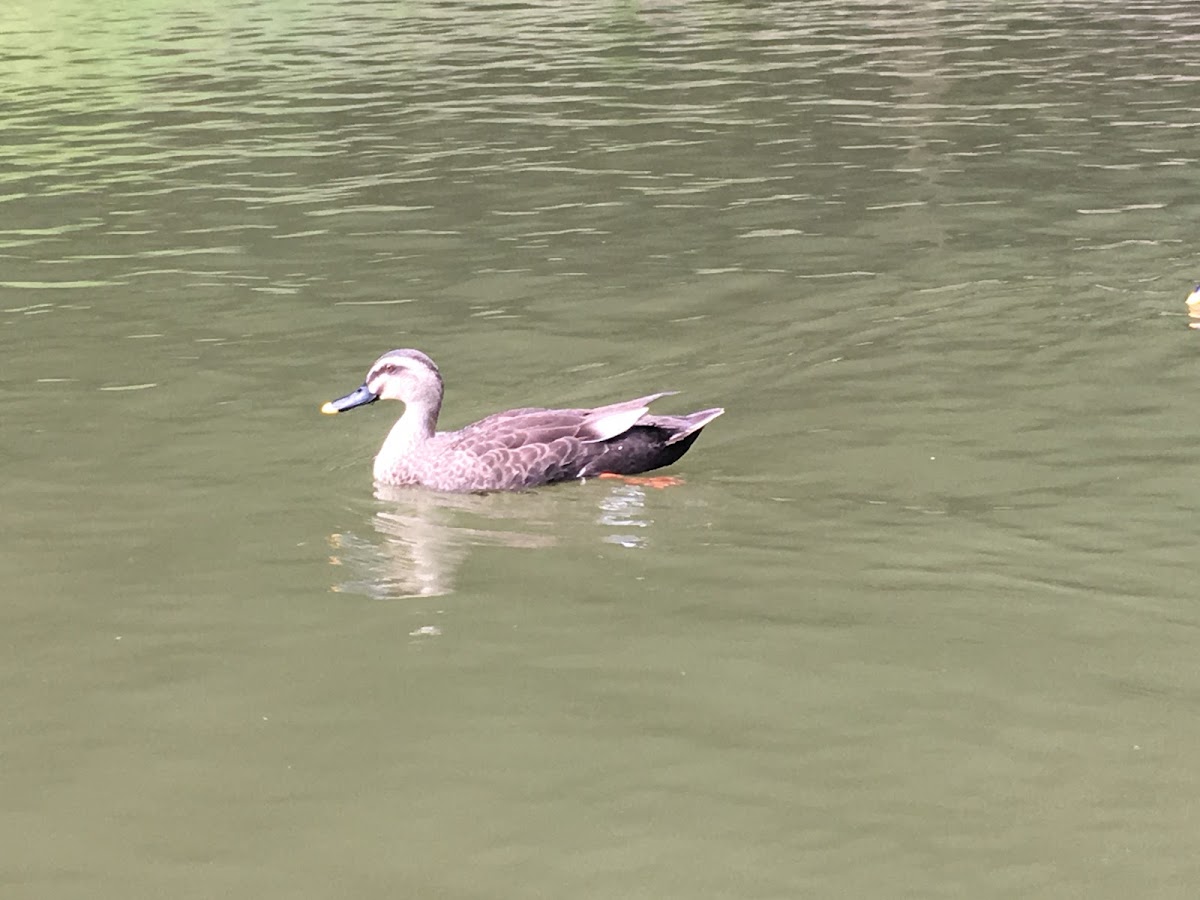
[(413, 428)]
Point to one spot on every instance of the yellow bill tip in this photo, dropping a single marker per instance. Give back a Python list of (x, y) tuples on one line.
[(329, 409)]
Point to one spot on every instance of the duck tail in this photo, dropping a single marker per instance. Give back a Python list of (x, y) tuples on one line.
[(691, 423)]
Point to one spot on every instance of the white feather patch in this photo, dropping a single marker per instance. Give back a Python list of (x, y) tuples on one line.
[(605, 422)]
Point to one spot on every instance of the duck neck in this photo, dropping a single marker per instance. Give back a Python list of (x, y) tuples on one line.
[(412, 429)]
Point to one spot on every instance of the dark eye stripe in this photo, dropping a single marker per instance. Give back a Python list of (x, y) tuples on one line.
[(388, 369)]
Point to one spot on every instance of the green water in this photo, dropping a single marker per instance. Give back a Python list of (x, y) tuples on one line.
[(920, 621)]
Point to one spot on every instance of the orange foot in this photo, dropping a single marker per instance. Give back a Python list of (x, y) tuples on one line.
[(653, 481)]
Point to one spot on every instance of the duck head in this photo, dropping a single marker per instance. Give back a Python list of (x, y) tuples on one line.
[(405, 375)]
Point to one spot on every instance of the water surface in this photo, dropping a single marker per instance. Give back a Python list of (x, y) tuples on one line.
[(919, 623)]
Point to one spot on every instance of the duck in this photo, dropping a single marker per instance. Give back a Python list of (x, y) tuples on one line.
[(515, 449)]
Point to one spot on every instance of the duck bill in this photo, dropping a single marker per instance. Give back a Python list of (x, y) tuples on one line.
[(360, 397)]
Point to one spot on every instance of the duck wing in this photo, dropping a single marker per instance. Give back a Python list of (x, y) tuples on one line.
[(531, 446)]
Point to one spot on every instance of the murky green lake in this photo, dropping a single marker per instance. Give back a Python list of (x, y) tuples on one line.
[(921, 620)]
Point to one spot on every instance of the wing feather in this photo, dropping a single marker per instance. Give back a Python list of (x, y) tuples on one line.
[(532, 445)]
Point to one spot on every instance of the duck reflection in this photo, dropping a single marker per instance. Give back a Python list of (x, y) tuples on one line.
[(625, 508), (421, 537)]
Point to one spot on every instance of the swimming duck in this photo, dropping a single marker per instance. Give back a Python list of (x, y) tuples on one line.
[(511, 450)]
